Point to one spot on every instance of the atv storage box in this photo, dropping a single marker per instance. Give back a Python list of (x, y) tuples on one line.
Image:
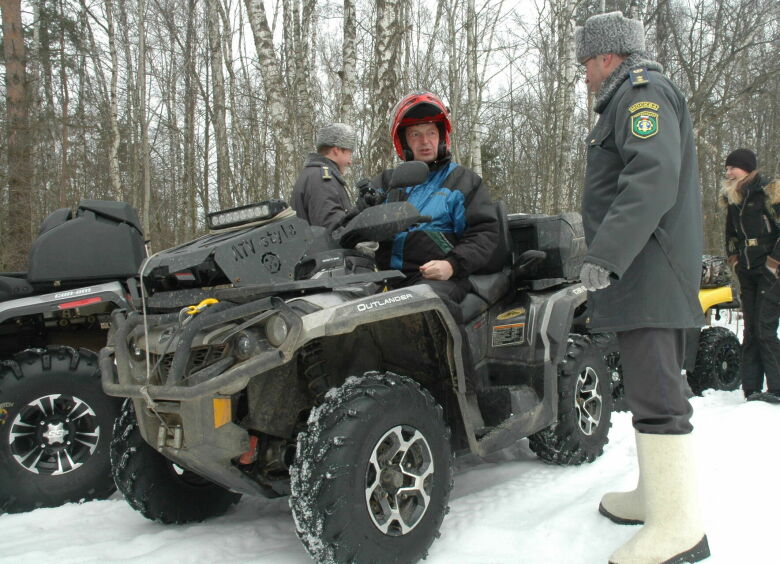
[(560, 236), (67, 246)]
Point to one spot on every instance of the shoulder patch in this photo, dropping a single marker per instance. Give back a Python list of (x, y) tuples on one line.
[(639, 77), (644, 124), (326, 173)]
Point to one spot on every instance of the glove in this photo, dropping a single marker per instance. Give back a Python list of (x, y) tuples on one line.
[(594, 277), (368, 195)]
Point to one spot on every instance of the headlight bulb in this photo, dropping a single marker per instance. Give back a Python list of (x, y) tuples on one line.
[(276, 330)]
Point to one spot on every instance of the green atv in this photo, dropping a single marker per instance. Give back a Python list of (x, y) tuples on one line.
[(271, 362)]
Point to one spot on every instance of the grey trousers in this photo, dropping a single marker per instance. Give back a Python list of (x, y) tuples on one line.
[(655, 390)]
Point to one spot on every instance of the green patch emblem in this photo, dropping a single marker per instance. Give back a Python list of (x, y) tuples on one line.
[(644, 124)]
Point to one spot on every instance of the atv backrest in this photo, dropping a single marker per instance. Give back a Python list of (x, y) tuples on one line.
[(103, 242), (561, 237)]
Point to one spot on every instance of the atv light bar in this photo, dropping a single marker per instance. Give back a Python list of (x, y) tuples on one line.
[(245, 214)]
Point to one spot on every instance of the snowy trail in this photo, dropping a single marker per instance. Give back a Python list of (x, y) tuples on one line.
[(515, 509)]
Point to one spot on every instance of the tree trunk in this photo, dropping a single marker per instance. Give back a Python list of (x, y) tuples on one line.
[(386, 53), (144, 121), (475, 147), (113, 147), (19, 165), (270, 70), (349, 61), (224, 182)]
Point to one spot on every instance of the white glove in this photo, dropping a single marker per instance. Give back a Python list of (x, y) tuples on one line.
[(594, 277)]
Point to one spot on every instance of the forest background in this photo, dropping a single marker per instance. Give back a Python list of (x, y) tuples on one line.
[(182, 107)]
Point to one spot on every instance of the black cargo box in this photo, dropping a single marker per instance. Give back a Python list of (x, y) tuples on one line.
[(103, 241), (560, 236)]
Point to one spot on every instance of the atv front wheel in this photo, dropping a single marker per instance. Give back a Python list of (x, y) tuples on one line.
[(717, 361), (584, 407), (373, 472), (156, 487), (55, 428)]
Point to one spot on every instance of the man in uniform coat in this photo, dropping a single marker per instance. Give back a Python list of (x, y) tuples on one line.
[(642, 215), (319, 195)]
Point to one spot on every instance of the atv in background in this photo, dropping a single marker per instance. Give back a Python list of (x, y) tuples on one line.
[(271, 362), (55, 420), (714, 363)]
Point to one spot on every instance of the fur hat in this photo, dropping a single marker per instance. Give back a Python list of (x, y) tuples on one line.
[(742, 158), (335, 135), (609, 33)]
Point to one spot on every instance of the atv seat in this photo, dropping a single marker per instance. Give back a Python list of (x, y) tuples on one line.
[(491, 283), (14, 286)]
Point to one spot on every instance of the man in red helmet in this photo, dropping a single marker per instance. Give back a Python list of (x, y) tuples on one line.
[(463, 231)]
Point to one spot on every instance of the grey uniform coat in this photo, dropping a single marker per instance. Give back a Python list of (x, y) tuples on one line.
[(319, 195), (641, 205)]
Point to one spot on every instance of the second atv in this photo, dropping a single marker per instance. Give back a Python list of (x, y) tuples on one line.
[(270, 362)]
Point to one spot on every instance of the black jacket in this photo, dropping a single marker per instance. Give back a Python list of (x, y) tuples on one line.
[(752, 220), (463, 229), (319, 194), (641, 205)]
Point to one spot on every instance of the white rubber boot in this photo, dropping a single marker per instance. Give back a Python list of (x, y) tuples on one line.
[(625, 508), (673, 531)]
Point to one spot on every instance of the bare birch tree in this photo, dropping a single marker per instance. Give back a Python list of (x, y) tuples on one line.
[(270, 69)]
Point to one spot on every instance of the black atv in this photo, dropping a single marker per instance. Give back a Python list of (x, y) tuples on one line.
[(55, 420), (270, 362)]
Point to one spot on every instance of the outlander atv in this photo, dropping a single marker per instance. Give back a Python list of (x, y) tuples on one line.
[(271, 362), (55, 420)]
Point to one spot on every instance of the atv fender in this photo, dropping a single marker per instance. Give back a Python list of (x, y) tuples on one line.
[(347, 317)]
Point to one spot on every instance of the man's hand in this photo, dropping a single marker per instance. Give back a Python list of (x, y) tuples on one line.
[(437, 270), (733, 259), (368, 195), (594, 277)]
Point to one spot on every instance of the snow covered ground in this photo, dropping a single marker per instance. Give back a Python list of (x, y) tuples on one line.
[(514, 509)]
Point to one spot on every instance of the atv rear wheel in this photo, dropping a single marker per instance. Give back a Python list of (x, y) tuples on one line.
[(373, 472), (55, 428), (717, 361), (584, 407), (155, 486)]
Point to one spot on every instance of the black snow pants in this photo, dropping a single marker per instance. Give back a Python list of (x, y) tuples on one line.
[(760, 296)]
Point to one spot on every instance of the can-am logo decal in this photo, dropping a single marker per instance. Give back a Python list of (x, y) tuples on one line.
[(387, 301), (72, 293)]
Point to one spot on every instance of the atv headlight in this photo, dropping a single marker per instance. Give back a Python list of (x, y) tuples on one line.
[(247, 344), (276, 330)]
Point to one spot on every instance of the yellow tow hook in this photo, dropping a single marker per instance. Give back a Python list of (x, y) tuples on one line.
[(195, 309)]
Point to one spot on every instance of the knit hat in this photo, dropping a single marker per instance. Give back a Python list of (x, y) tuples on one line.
[(335, 135), (742, 158), (609, 33)]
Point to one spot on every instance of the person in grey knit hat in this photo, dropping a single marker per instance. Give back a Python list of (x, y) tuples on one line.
[(641, 211), (319, 195)]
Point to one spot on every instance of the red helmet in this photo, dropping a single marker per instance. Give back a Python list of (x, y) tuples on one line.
[(416, 108)]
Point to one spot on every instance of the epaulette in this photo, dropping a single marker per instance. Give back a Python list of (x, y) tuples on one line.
[(639, 77), (326, 173)]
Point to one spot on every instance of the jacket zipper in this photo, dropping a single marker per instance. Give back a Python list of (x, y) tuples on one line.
[(742, 225)]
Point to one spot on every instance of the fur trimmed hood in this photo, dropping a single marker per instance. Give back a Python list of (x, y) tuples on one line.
[(733, 191)]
